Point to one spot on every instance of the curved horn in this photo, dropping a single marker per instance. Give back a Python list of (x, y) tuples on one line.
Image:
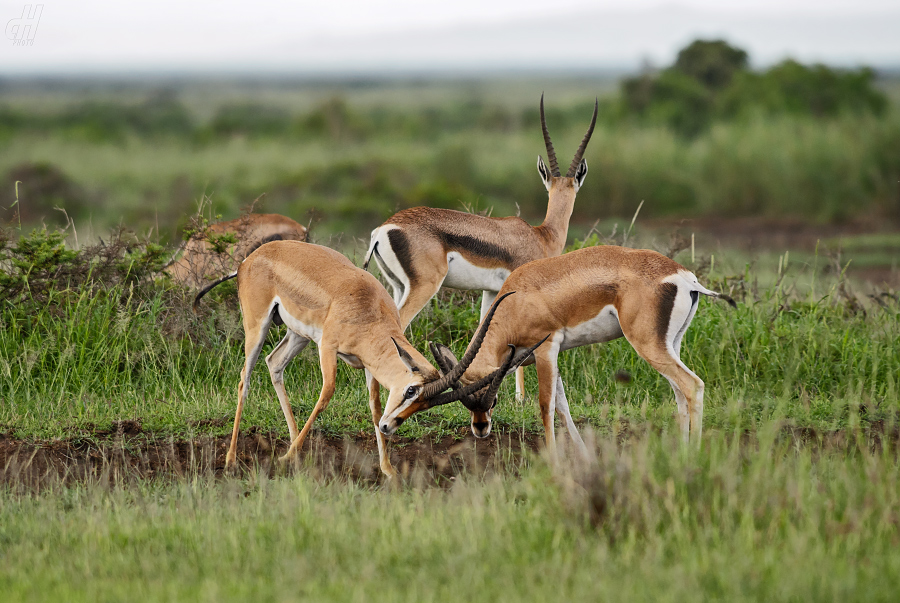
[(439, 385), (465, 393), (551, 154), (584, 142), (491, 392)]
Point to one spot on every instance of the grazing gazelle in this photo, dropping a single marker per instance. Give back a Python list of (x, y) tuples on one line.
[(587, 296), (199, 263), (321, 296), (420, 250)]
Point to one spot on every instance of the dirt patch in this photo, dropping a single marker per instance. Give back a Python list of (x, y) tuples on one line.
[(757, 234), (125, 453)]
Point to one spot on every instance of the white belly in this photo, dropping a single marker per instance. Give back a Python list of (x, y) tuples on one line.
[(310, 332), (464, 275), (603, 327)]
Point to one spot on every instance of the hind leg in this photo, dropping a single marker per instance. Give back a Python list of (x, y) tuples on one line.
[(414, 278), (280, 357), (254, 338), (658, 342), (418, 296)]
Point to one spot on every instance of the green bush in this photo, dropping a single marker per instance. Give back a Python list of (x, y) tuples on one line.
[(710, 82)]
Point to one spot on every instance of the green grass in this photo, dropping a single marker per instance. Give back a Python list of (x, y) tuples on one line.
[(808, 357), (756, 514), (757, 519)]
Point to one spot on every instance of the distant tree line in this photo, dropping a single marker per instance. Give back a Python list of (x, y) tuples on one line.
[(711, 80)]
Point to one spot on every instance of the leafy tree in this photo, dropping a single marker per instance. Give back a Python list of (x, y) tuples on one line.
[(711, 62), (710, 81)]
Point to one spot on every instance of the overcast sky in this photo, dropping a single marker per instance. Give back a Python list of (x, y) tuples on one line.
[(97, 36)]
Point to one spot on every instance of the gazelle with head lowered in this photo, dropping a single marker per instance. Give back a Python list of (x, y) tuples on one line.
[(420, 250), (199, 263), (321, 296), (587, 296)]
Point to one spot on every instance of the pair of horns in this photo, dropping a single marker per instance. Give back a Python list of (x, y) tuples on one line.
[(485, 388), (452, 376), (579, 154)]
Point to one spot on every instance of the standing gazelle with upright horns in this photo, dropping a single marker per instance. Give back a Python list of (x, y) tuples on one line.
[(587, 296), (321, 296), (420, 250)]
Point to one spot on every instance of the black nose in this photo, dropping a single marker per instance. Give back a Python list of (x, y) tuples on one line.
[(384, 429), (480, 427)]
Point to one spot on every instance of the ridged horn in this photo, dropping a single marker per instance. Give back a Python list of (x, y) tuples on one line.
[(584, 142), (464, 394), (435, 387), (551, 154)]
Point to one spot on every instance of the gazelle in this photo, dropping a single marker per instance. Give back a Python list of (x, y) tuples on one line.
[(587, 296), (321, 296), (420, 250), (199, 263)]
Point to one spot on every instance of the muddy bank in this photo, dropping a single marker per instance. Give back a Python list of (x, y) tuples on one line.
[(130, 454), (126, 453)]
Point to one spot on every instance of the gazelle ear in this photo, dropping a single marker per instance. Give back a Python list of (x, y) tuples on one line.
[(545, 173), (443, 356), (405, 357), (580, 173)]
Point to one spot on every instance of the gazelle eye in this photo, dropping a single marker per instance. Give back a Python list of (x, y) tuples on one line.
[(410, 392)]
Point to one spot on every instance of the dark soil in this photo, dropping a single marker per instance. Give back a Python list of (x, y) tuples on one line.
[(127, 453)]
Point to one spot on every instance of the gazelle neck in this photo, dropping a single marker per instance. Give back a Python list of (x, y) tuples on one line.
[(386, 366), (560, 205)]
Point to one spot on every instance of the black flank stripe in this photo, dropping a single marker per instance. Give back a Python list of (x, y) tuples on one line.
[(400, 245), (475, 246), (667, 293), (390, 276)]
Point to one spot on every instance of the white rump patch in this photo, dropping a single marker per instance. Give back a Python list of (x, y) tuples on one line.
[(390, 265)]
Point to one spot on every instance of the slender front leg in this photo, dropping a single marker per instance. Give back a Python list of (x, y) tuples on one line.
[(254, 338), (520, 384), (328, 362), (562, 407), (375, 406), (547, 375)]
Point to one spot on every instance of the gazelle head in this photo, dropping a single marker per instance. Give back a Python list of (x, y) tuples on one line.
[(479, 397), (481, 403), (551, 176), (421, 393)]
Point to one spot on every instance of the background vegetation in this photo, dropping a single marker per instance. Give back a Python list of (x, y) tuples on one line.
[(705, 137)]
